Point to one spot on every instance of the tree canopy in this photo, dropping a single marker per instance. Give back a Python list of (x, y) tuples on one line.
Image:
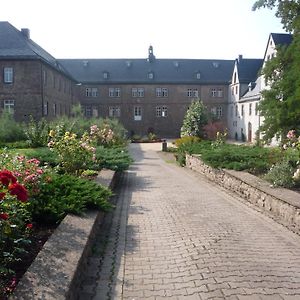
[(281, 102)]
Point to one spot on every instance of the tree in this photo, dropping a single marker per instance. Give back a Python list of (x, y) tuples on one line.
[(281, 103), (195, 119), (287, 11)]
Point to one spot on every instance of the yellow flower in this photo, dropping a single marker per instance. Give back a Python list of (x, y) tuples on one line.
[(52, 133)]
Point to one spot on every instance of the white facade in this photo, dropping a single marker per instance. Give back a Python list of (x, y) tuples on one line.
[(244, 118)]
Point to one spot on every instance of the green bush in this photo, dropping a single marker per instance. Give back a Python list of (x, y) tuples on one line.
[(281, 174), (63, 194), (10, 130), (117, 159), (255, 160), (37, 133)]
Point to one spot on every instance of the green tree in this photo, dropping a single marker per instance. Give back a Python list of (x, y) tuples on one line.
[(195, 119), (281, 103)]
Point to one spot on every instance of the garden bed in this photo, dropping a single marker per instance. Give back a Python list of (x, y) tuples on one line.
[(54, 272)]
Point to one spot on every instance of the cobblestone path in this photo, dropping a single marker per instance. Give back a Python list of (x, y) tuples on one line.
[(174, 235)]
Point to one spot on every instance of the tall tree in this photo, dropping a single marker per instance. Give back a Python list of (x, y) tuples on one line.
[(281, 103), (194, 120)]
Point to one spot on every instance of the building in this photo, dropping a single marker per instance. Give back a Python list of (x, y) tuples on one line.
[(146, 95), (32, 82), (244, 119), (150, 95)]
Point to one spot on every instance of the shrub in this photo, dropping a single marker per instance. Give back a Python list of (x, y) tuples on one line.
[(186, 140), (281, 174), (37, 133), (10, 130), (117, 159), (194, 120), (63, 194), (74, 154)]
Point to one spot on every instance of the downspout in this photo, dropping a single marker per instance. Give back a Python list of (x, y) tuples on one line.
[(42, 89)]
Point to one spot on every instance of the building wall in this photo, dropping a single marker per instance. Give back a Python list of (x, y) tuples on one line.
[(32, 88), (175, 104)]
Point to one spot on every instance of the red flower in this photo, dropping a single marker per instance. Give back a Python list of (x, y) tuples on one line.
[(2, 195), (29, 226), (18, 190), (4, 216), (7, 177)]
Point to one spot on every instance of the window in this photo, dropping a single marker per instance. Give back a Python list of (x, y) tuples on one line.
[(213, 92), (256, 108), (158, 92), (8, 75), (242, 111), (219, 112), (105, 75), (161, 111), (114, 92), (54, 109), (250, 109), (150, 75), (236, 90), (137, 113), (88, 111), (94, 92), (193, 93), (162, 92), (198, 75), (231, 111), (45, 109), (236, 111), (45, 77), (220, 93), (9, 106), (114, 111), (137, 92), (213, 110), (88, 92)]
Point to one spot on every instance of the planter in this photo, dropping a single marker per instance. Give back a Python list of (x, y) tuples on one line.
[(55, 271)]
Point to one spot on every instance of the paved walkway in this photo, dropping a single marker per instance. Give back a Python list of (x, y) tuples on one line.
[(174, 235)]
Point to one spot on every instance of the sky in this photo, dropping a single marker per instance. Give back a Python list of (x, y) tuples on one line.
[(206, 29)]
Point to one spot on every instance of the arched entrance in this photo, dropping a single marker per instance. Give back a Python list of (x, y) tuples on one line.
[(249, 132)]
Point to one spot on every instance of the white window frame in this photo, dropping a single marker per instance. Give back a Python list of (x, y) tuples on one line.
[(219, 112), (161, 111), (213, 92), (46, 109), (195, 93), (220, 93), (141, 92), (114, 111), (9, 106), (134, 92), (256, 108), (88, 92), (158, 92), (250, 109), (111, 92), (137, 113), (165, 92), (8, 75), (190, 93)]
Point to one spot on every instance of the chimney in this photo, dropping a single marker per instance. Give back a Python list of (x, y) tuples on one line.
[(26, 32), (240, 58), (251, 86), (151, 56)]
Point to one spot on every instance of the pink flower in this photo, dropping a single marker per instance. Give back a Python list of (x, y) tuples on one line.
[(29, 226), (291, 134)]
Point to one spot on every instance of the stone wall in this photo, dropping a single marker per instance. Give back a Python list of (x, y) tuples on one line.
[(281, 204)]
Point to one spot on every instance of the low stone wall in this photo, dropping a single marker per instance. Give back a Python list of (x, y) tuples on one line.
[(55, 271), (282, 204)]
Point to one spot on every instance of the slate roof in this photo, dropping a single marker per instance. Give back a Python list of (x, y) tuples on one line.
[(137, 70), (248, 69), (282, 38), (15, 45), (253, 94)]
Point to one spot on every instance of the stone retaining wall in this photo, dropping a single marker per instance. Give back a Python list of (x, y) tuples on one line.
[(282, 204), (55, 271)]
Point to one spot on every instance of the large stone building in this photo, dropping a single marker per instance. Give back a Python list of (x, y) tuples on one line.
[(144, 94)]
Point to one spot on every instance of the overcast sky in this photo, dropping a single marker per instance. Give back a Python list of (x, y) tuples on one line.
[(125, 28)]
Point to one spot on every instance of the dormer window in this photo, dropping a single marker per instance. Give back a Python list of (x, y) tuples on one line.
[(150, 75), (105, 75), (198, 75)]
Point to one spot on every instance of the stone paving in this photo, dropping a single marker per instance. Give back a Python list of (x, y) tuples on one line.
[(174, 235)]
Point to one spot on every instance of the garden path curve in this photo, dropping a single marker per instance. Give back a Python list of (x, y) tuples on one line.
[(174, 235)]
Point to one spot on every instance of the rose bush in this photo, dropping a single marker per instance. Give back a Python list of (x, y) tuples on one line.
[(15, 226)]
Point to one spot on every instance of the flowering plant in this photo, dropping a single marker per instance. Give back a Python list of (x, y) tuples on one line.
[(102, 136), (15, 221), (292, 147), (74, 153)]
